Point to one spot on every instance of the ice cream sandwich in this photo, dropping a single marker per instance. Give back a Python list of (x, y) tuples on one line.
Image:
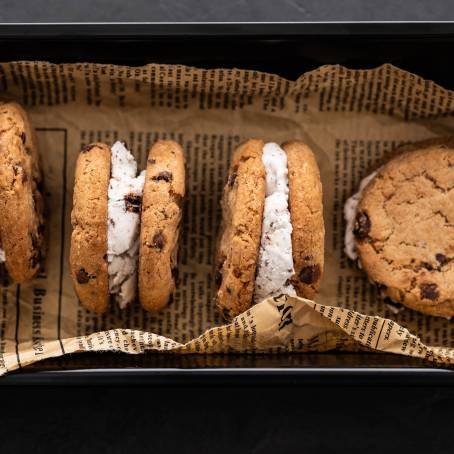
[(21, 203), (400, 227), (272, 234), (125, 224), (106, 223)]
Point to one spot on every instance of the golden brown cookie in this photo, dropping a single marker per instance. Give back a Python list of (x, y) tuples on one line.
[(88, 256), (404, 228), (306, 213), (160, 224), (239, 240), (21, 204)]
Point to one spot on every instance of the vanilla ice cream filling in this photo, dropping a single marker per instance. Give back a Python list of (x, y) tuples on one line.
[(350, 211), (275, 261), (2, 256), (123, 224)]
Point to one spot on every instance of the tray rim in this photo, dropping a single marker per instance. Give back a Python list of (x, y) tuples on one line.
[(347, 376), (114, 30)]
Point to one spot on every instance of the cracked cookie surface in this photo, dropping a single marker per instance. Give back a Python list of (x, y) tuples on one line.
[(21, 203), (163, 194), (404, 228)]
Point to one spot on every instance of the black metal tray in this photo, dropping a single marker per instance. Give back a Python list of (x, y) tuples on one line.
[(287, 49)]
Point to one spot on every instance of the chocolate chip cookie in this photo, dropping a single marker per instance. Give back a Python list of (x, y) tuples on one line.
[(21, 203), (163, 194), (239, 240), (88, 256), (404, 228), (306, 211)]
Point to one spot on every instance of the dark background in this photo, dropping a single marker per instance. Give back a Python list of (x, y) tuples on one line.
[(222, 10), (292, 417)]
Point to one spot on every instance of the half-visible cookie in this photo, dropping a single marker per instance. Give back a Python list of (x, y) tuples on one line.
[(160, 224), (105, 220), (272, 234), (21, 204), (400, 226)]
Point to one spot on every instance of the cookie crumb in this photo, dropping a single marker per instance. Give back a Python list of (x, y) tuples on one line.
[(152, 161), (429, 291)]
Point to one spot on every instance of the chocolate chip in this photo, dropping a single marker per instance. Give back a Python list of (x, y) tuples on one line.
[(23, 137), (105, 257), (87, 148), (236, 273), (133, 203), (429, 291), (232, 179), (82, 276), (158, 241), (218, 278), (163, 176), (112, 222), (228, 290), (362, 226), (310, 274), (308, 257), (152, 161), (427, 266), (441, 258)]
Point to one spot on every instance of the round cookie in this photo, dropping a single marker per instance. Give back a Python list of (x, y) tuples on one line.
[(306, 213), (88, 258), (239, 240), (21, 204), (404, 228), (163, 194)]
